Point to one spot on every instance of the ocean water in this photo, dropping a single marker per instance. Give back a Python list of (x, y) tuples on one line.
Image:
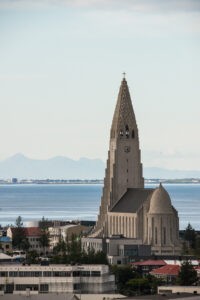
[(81, 202)]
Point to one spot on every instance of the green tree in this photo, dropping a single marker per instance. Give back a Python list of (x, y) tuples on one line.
[(154, 283), (190, 235), (44, 237), (60, 248), (19, 239), (18, 222), (197, 246), (32, 257), (187, 274), (74, 250), (92, 257), (138, 286), (122, 275)]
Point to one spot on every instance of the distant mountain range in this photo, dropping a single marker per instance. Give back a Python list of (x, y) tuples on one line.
[(61, 167)]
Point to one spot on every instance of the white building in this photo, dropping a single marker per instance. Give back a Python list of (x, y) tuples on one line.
[(19, 279), (33, 235), (65, 233)]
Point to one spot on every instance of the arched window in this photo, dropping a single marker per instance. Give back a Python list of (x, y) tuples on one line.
[(133, 134), (121, 133)]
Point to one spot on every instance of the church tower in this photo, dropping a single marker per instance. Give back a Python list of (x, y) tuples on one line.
[(124, 168)]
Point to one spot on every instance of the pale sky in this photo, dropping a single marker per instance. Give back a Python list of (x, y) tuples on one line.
[(61, 65)]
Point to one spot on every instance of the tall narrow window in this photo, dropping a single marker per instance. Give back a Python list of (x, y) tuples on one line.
[(133, 134), (164, 235), (127, 132), (156, 236)]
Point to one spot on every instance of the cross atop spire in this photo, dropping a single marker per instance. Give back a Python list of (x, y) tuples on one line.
[(124, 74)]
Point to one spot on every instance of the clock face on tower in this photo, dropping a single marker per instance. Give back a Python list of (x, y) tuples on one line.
[(127, 149)]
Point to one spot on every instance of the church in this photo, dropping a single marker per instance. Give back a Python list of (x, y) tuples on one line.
[(129, 213)]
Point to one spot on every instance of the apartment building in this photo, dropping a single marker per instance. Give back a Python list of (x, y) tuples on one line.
[(34, 279)]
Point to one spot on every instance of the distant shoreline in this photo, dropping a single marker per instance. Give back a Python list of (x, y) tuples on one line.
[(15, 181)]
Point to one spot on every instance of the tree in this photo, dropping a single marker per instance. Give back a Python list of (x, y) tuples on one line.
[(19, 239), (44, 237), (187, 274), (74, 250), (32, 257), (190, 235), (60, 248), (139, 286), (92, 257), (18, 222), (122, 275), (197, 246)]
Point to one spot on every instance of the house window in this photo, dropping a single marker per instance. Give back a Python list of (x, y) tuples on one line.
[(44, 288), (95, 273)]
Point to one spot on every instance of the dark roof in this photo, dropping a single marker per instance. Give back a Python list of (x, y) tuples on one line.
[(132, 200)]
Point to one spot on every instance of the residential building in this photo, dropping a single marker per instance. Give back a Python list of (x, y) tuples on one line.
[(167, 273), (33, 235), (5, 244), (146, 266), (65, 233)]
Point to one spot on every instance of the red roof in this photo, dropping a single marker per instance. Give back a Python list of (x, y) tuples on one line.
[(166, 270), (150, 262), (29, 231), (32, 231)]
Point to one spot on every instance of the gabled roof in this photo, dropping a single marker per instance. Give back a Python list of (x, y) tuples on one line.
[(166, 270), (150, 262), (29, 231), (132, 200), (32, 231)]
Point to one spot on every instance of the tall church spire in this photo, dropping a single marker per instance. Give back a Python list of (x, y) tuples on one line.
[(124, 116), (124, 169), (125, 165)]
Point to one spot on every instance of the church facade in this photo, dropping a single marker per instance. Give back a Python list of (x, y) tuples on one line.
[(127, 208)]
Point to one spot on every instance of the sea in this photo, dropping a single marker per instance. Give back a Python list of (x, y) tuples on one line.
[(81, 202)]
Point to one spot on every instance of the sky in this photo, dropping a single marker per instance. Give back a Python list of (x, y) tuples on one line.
[(61, 65)]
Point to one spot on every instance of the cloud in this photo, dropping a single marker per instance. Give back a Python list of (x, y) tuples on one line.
[(144, 6)]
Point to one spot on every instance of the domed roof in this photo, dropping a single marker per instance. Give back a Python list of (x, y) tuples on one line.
[(160, 202)]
